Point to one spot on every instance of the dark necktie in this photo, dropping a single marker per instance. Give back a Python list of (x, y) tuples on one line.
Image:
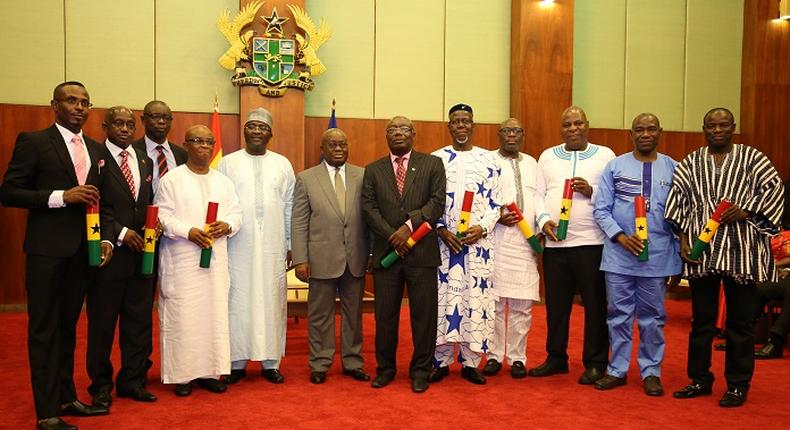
[(400, 173), (161, 160), (127, 173)]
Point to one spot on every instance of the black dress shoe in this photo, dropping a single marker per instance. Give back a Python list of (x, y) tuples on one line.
[(492, 367), (213, 385), (692, 390), (381, 380), (79, 409), (183, 390), (590, 376), (769, 351), (548, 368), (473, 375), (102, 399), (138, 394), (235, 376), (273, 375), (54, 423), (608, 382), (317, 377), (653, 386), (357, 374), (720, 346), (517, 370), (733, 398), (439, 374), (419, 385)]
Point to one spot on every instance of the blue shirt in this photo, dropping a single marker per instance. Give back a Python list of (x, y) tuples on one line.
[(623, 179)]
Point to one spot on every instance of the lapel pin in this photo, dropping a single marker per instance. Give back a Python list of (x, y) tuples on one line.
[(413, 169)]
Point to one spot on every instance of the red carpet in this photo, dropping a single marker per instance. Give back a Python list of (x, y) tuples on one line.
[(555, 402)]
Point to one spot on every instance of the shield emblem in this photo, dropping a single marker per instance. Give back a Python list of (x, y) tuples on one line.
[(273, 59)]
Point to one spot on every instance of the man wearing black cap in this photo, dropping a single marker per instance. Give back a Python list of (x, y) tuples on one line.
[(466, 313)]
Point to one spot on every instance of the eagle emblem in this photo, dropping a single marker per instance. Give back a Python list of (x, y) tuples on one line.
[(271, 59)]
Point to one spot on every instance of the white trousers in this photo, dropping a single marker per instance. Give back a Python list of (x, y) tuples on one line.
[(510, 330)]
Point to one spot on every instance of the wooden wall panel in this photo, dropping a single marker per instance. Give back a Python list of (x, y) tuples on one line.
[(765, 81)]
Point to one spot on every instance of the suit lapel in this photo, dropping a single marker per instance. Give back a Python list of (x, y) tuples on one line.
[(142, 168), (97, 161), (411, 172), (351, 186), (329, 191), (56, 139), (389, 175), (115, 171)]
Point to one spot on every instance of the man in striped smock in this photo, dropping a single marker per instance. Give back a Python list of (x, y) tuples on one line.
[(738, 254)]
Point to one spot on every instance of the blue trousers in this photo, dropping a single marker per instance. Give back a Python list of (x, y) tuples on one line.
[(643, 297)]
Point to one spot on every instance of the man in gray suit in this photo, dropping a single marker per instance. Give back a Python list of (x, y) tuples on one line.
[(400, 192), (329, 242)]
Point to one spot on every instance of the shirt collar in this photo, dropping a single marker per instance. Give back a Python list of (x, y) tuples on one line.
[(116, 150), (150, 145), (331, 169), (68, 134), (405, 156)]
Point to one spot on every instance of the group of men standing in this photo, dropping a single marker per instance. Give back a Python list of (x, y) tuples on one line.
[(457, 220)]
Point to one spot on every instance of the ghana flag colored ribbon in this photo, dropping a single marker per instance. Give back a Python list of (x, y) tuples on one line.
[(640, 224), (149, 248), (526, 230), (466, 214), (565, 210), (709, 230), (415, 237), (94, 234), (211, 216)]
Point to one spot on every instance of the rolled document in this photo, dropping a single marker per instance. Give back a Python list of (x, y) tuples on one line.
[(151, 219), (565, 210), (640, 221), (94, 234), (525, 228), (415, 237), (702, 241), (211, 216)]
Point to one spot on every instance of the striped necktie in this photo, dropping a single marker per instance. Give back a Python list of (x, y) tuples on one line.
[(400, 174), (161, 160), (127, 173)]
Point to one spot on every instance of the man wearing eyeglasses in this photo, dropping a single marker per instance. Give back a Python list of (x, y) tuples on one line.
[(466, 309), (193, 300), (157, 120), (260, 253), (55, 173), (516, 277)]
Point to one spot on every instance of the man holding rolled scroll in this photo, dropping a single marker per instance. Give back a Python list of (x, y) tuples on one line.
[(568, 176), (122, 294), (400, 192), (642, 251), (516, 278), (193, 300), (730, 198)]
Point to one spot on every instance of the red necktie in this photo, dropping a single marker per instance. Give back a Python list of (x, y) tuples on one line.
[(127, 173), (161, 160), (400, 173)]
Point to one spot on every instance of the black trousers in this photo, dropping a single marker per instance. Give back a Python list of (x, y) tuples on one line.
[(128, 301), (775, 291), (423, 310), (55, 292), (739, 356), (566, 270)]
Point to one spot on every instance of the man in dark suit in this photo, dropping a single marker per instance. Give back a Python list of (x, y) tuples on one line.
[(55, 173), (400, 192), (121, 291), (157, 120), (326, 214)]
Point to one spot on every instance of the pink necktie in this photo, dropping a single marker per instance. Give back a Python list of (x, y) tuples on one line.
[(80, 160), (400, 174), (127, 173)]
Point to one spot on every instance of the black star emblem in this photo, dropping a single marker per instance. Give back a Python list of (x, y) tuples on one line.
[(96, 229), (274, 23), (149, 239), (641, 227), (463, 221), (564, 210), (707, 230)]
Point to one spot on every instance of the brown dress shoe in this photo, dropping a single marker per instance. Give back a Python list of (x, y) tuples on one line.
[(608, 382), (653, 386)]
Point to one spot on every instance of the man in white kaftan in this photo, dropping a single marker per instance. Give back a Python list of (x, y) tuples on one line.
[(466, 311), (264, 182), (516, 278), (193, 301)]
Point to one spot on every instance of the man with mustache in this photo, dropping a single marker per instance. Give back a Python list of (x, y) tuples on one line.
[(55, 173), (738, 255), (260, 253), (121, 296), (573, 263), (193, 300), (635, 287)]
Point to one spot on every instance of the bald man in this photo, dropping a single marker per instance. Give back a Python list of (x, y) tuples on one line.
[(330, 252), (193, 300)]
